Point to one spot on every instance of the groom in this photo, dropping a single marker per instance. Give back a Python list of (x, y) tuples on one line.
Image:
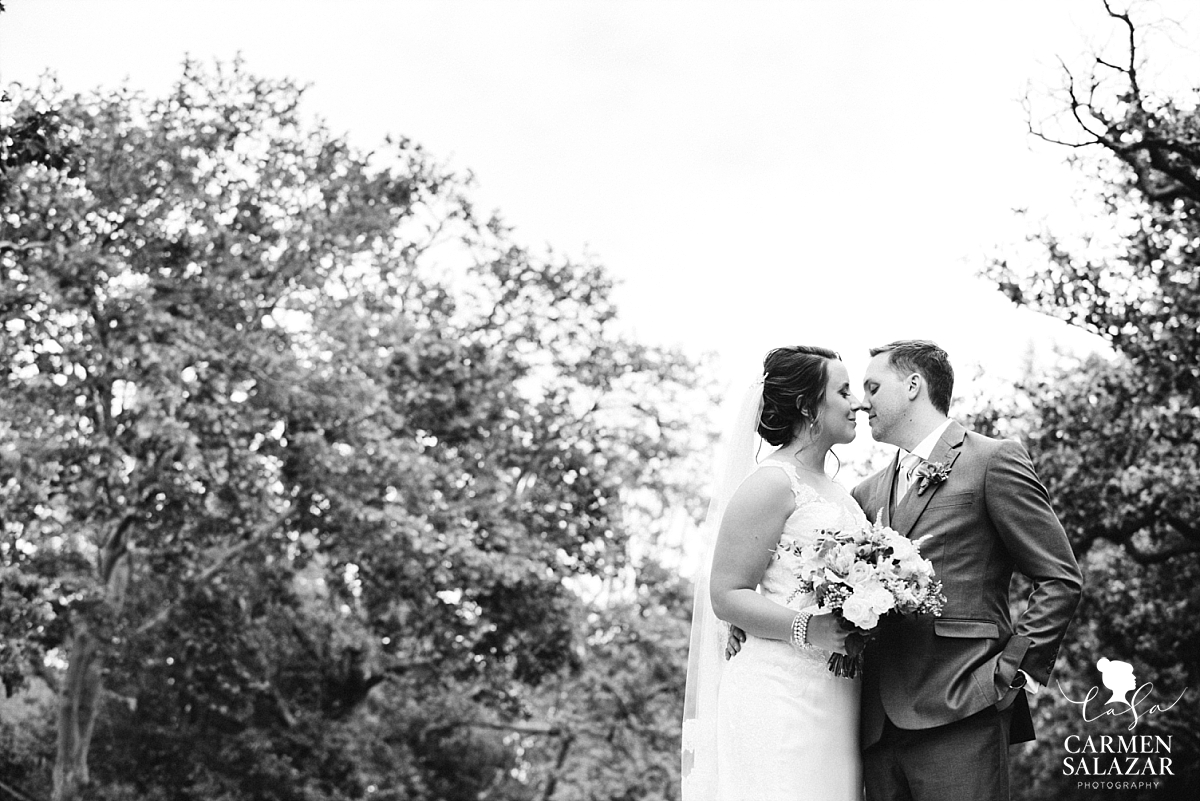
[(943, 697)]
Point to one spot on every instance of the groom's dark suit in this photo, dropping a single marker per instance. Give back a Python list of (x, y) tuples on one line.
[(990, 516)]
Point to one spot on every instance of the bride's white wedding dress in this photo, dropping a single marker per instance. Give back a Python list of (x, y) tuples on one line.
[(787, 728)]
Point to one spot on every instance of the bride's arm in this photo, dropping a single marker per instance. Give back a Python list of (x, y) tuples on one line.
[(746, 542), (749, 535)]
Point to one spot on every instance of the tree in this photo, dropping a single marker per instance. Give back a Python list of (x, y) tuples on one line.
[(299, 454), (612, 724), (1116, 437)]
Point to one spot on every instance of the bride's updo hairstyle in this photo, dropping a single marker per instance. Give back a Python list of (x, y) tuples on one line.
[(794, 381)]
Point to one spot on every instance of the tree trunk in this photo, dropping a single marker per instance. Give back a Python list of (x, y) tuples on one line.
[(76, 715), (564, 748), (79, 695)]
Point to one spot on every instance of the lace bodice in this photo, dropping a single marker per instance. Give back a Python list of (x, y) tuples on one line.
[(813, 513)]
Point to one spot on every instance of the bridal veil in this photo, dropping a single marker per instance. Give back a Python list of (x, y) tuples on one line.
[(734, 461)]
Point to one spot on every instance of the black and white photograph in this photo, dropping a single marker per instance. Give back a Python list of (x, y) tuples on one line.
[(599, 400)]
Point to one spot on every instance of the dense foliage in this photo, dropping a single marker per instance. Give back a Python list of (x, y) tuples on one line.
[(1117, 438), (307, 471)]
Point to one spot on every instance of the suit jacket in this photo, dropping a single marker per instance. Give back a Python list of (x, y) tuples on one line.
[(990, 516)]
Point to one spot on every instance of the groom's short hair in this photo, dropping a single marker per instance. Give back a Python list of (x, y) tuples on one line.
[(929, 360)]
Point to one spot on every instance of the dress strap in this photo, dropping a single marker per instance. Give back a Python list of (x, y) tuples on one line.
[(801, 490)]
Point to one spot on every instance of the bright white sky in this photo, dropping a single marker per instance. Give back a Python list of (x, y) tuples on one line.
[(755, 173)]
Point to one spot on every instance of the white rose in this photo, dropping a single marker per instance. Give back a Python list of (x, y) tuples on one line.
[(858, 611), (859, 573), (878, 596)]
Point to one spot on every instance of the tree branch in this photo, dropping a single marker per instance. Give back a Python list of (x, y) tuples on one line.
[(44, 673), (400, 668), (564, 747), (15, 793), (1074, 103), (1189, 530), (1118, 534), (520, 728), (1160, 162), (8, 244), (1153, 557), (114, 546), (216, 567), (1132, 69), (545, 729), (1077, 104)]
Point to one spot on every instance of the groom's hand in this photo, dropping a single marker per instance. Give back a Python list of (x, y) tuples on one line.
[(734, 643)]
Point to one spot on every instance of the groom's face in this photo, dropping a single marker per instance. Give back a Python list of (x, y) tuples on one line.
[(884, 399)]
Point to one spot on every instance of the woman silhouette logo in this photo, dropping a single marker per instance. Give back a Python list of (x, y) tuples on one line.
[(1118, 677)]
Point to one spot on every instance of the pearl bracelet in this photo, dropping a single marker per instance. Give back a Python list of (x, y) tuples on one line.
[(800, 629)]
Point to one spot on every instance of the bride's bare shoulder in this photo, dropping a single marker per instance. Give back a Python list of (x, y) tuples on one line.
[(764, 489), (769, 477)]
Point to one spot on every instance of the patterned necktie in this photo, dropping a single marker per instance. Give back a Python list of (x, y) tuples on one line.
[(904, 479)]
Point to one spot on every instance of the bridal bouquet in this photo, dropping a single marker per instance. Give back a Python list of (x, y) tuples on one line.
[(862, 575)]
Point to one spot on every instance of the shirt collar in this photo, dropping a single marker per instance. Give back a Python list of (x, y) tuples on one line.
[(925, 448)]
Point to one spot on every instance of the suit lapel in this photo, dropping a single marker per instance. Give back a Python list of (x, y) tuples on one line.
[(912, 505)]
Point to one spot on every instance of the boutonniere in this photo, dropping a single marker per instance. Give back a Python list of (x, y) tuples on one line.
[(929, 474)]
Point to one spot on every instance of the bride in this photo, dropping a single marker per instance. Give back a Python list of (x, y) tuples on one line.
[(774, 722)]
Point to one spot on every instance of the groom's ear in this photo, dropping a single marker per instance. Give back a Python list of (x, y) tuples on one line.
[(912, 385)]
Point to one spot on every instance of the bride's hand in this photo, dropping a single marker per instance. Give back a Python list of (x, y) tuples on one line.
[(826, 633)]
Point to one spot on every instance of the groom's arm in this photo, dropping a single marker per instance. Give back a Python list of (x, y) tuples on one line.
[(862, 495), (1020, 509)]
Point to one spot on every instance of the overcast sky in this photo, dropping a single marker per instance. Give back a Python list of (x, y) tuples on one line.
[(755, 173)]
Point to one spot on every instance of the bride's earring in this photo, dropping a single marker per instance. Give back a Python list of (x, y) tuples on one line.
[(812, 435)]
